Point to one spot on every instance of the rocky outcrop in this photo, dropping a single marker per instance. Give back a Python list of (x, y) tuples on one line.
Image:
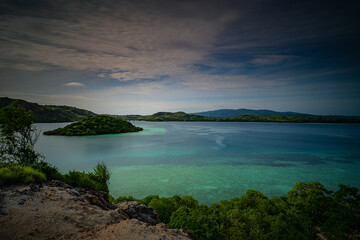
[(56, 210), (139, 211)]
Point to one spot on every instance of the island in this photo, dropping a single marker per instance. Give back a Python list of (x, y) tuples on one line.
[(95, 125)]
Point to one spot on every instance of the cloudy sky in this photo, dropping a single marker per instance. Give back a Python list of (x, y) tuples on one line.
[(141, 57)]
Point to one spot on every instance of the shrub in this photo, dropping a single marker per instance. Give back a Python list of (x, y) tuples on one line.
[(164, 207), (198, 221), (101, 175), (20, 174), (148, 199), (17, 137), (112, 199), (51, 172), (81, 179), (96, 180), (126, 199)]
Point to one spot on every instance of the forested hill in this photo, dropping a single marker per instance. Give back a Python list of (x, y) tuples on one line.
[(181, 116), (166, 116), (229, 113), (49, 113), (95, 125)]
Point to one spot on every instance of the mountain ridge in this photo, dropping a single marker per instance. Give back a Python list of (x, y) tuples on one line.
[(228, 113), (182, 116), (48, 113)]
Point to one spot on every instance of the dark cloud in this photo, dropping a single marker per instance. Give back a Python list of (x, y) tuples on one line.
[(213, 49)]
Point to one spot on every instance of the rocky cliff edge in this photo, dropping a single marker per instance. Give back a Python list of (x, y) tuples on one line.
[(55, 210)]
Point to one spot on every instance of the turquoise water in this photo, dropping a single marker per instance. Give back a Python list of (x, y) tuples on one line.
[(213, 160)]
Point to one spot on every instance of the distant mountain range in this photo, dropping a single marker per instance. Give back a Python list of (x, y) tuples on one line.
[(49, 113), (229, 113), (166, 116), (294, 118)]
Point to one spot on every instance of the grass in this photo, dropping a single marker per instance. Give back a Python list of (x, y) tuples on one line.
[(19, 174)]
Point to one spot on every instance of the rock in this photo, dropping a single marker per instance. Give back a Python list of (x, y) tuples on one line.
[(140, 211), (57, 183), (55, 210), (134, 229)]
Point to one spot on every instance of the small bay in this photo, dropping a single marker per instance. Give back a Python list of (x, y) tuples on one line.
[(212, 160)]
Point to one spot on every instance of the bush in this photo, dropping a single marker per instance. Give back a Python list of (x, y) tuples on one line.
[(112, 199), (126, 199), (96, 180), (148, 199), (19, 174), (199, 221), (166, 206), (102, 176), (17, 137), (81, 179), (51, 172)]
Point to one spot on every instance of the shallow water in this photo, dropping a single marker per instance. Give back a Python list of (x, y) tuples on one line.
[(213, 160)]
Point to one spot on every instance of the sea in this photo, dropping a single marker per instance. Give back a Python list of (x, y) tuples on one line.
[(212, 161)]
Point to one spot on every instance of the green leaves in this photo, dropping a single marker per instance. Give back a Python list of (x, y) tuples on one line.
[(96, 180), (102, 175), (308, 210), (93, 125), (17, 136), (19, 174)]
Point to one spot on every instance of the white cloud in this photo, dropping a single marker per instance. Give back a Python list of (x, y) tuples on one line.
[(74, 84)]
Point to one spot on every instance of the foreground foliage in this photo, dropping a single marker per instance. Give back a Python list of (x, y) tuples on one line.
[(308, 210), (17, 137), (97, 180), (20, 174), (93, 125)]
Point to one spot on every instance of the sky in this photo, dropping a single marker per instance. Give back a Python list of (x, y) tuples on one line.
[(142, 57)]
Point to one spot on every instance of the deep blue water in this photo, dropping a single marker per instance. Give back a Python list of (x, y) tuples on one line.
[(211, 160)]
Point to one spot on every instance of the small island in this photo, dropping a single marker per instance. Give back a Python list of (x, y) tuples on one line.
[(95, 125)]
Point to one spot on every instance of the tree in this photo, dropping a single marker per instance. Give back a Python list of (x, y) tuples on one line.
[(102, 175), (307, 204), (17, 136)]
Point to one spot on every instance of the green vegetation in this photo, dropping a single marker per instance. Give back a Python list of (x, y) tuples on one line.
[(229, 113), (167, 116), (291, 119), (96, 180), (308, 210), (17, 136), (20, 163), (51, 172), (48, 113), (19, 174), (94, 125), (181, 116), (51, 113)]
